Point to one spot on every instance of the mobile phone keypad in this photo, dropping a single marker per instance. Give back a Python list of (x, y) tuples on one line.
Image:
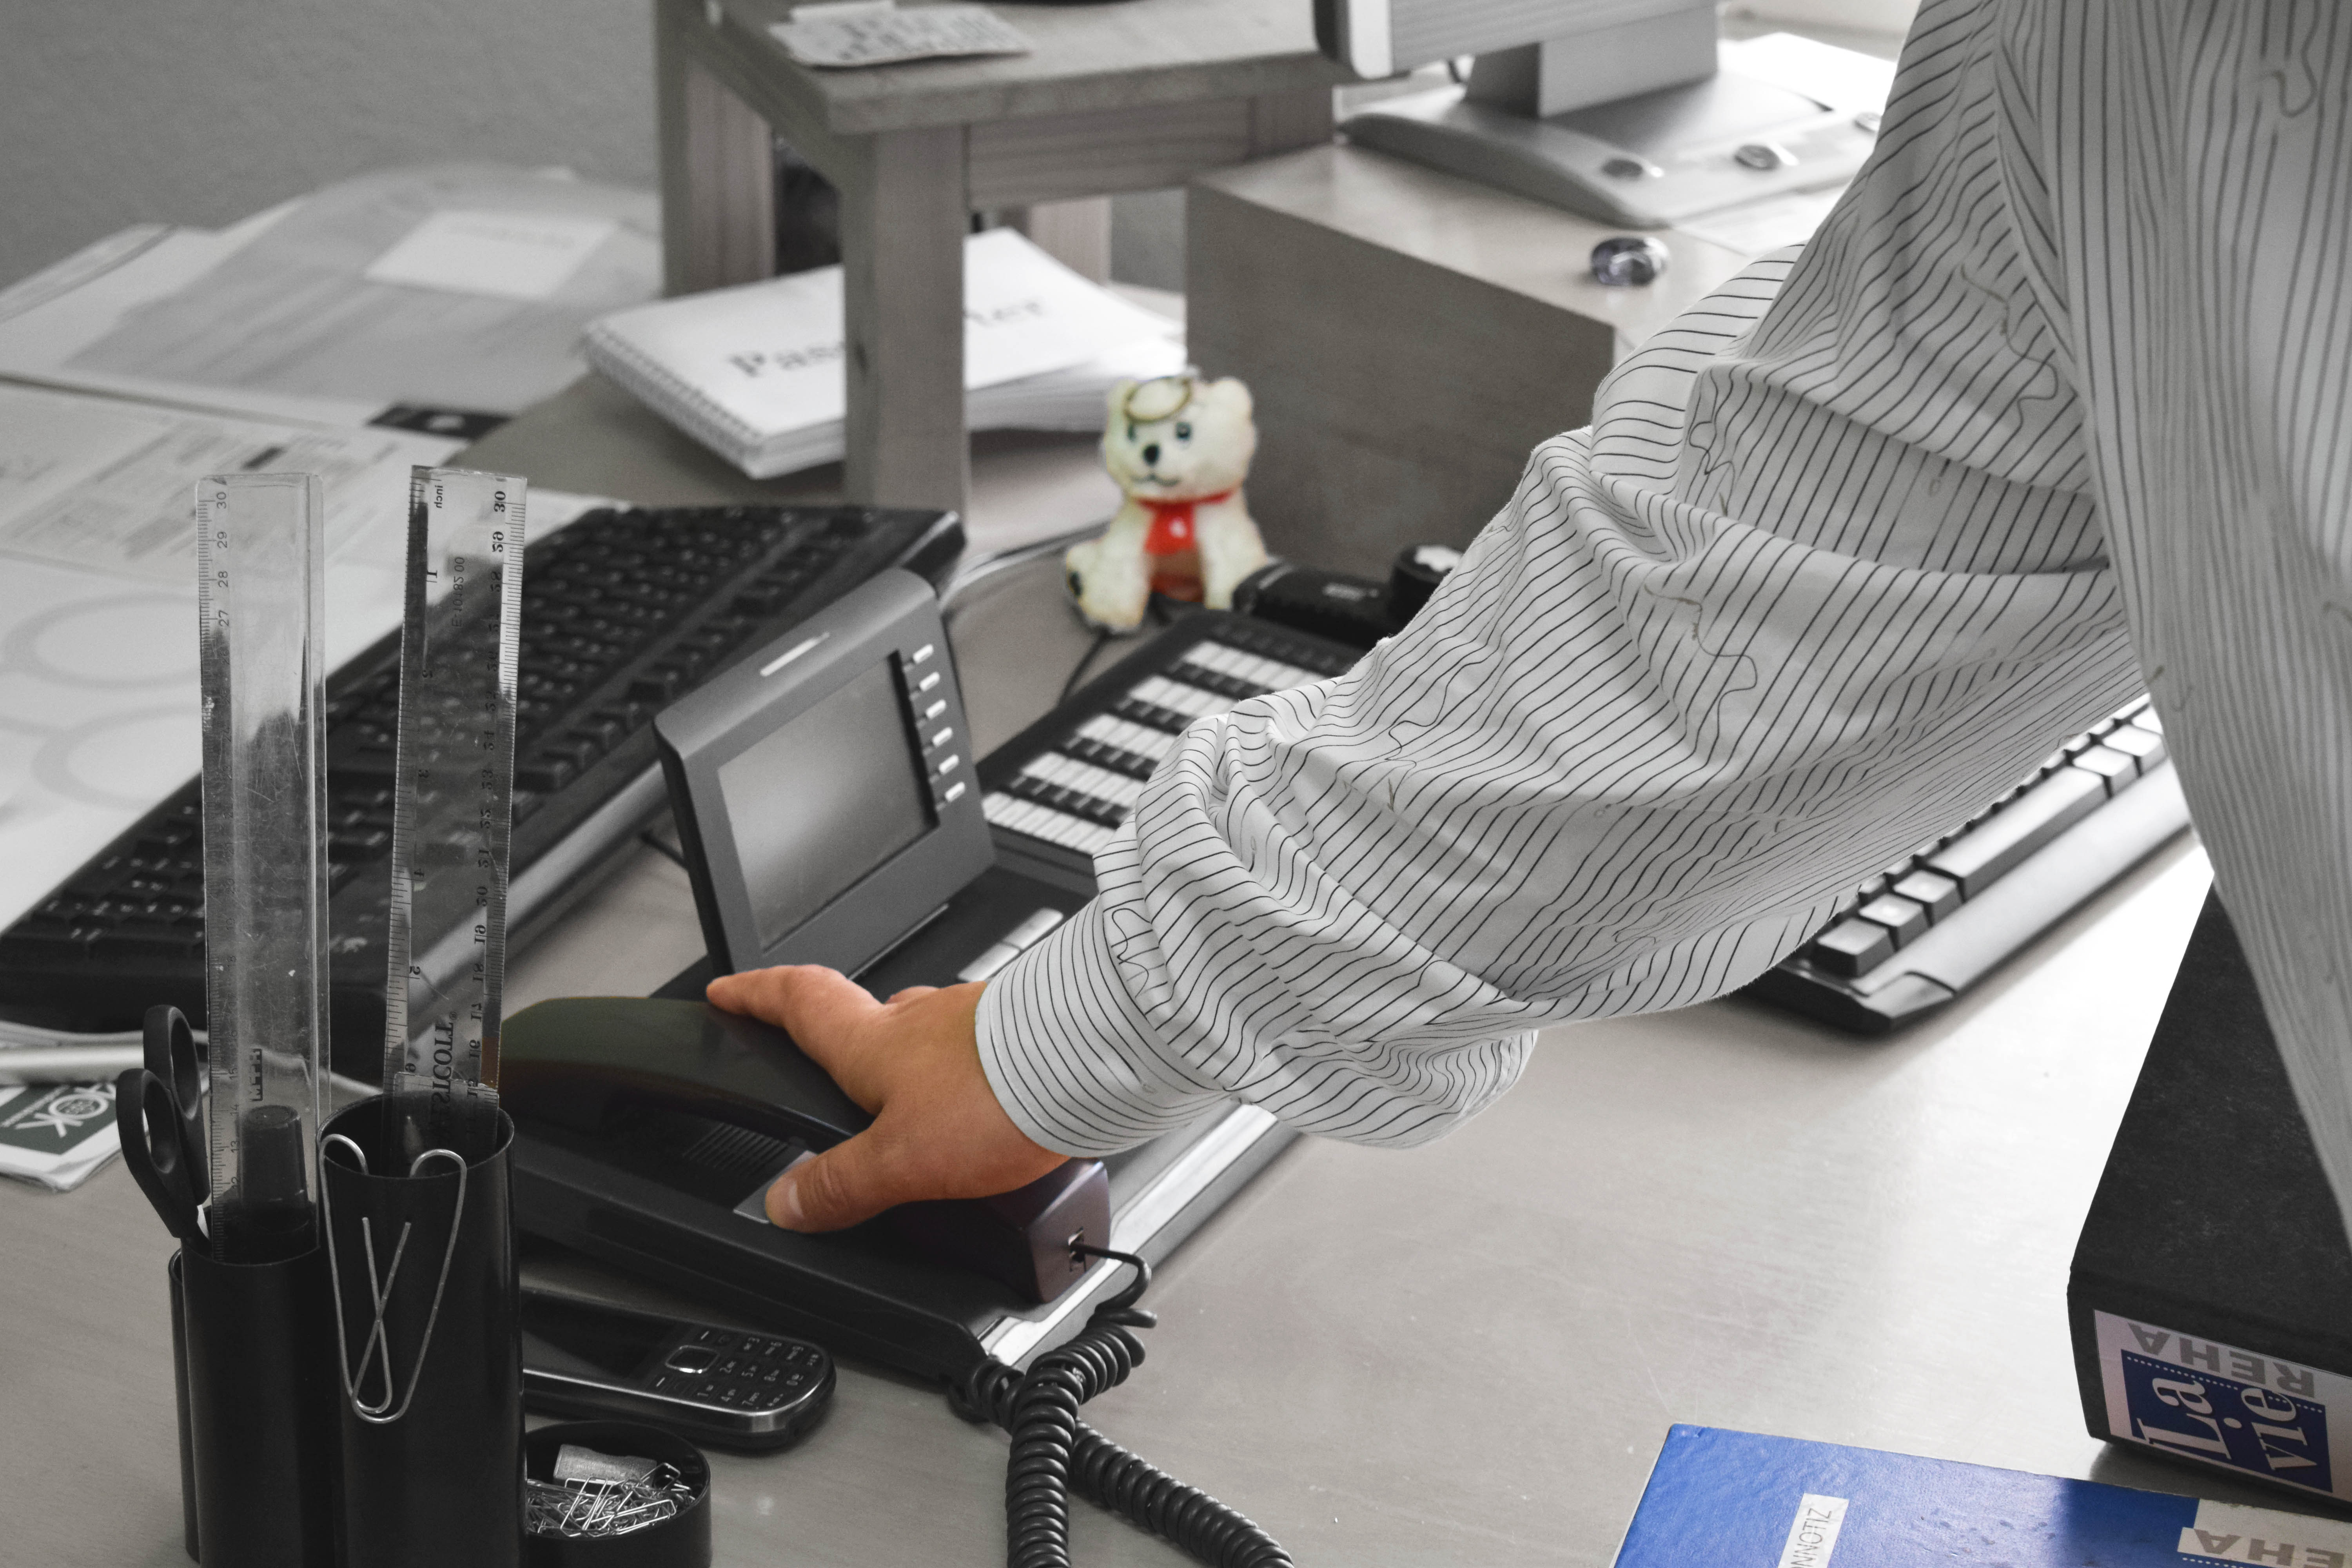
[(748, 1372)]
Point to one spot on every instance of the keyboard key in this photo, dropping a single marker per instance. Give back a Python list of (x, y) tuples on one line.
[(1851, 947), (1230, 686), (1981, 856), (1938, 893), (2144, 747), (1152, 715), (1190, 700), (580, 751), (1103, 756), (1124, 735), (2114, 768), (1906, 921), (545, 774)]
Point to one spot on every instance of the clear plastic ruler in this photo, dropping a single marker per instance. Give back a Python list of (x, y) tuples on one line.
[(452, 822), (261, 574)]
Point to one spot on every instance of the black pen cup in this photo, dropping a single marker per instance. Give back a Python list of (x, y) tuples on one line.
[(258, 1438), (422, 1265)]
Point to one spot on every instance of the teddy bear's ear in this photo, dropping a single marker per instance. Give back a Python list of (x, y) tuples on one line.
[(1120, 391), (1235, 393)]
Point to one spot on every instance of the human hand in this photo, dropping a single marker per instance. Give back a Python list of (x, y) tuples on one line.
[(913, 1063)]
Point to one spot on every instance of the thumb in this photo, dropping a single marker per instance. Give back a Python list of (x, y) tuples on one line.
[(849, 1183)]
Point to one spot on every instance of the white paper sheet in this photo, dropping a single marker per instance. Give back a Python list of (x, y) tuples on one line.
[(505, 255), (103, 486), (876, 33), (1752, 228), (1843, 79), (277, 318)]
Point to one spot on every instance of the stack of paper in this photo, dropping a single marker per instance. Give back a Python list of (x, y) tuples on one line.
[(458, 289), (755, 373)]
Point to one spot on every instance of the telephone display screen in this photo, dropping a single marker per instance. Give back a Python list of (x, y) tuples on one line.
[(824, 800)]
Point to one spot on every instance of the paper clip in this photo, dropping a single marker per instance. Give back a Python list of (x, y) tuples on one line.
[(380, 1291)]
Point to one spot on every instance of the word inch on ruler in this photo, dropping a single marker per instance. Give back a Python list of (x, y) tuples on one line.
[(453, 817)]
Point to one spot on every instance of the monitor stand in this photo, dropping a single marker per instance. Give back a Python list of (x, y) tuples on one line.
[(1678, 137)]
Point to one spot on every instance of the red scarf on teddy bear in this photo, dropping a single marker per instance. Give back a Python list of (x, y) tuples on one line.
[(1169, 545)]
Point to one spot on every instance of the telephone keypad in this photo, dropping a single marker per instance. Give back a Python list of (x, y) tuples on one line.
[(742, 1372)]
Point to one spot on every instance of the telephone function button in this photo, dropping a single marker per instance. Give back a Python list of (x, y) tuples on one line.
[(920, 654), (1011, 945), (693, 1358)]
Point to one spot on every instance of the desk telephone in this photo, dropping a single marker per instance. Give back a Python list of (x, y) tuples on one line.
[(830, 813)]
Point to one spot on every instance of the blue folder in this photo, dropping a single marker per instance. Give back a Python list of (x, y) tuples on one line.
[(1736, 1500)]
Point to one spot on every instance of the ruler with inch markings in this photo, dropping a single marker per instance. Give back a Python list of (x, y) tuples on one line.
[(452, 806)]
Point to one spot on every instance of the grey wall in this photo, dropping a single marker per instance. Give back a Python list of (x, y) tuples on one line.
[(200, 112)]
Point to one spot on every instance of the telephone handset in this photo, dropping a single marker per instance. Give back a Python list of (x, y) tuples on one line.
[(609, 1069)]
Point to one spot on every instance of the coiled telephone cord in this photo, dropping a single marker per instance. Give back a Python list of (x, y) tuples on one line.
[(1054, 1452)]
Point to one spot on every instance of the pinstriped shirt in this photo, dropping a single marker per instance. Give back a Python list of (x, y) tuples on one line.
[(2056, 405)]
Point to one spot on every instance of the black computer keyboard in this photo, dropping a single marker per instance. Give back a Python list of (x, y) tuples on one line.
[(1912, 939), (622, 612), (1930, 926)]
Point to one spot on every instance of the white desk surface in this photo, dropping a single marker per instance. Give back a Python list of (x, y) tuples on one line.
[(1466, 1354)]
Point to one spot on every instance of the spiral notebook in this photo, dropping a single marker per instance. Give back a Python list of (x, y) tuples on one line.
[(755, 372)]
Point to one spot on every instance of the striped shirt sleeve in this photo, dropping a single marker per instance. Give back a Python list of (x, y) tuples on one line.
[(1828, 572)]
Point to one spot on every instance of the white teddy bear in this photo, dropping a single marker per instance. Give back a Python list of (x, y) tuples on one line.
[(1179, 448)]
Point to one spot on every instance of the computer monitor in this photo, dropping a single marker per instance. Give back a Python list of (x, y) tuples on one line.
[(1616, 108)]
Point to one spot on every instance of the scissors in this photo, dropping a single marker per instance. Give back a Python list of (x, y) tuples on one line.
[(154, 1147), (171, 1048)]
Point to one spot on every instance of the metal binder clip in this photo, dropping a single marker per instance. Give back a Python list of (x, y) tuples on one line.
[(379, 1338)]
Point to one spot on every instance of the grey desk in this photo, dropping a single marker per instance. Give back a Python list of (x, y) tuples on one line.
[(1466, 1353), (1319, 277), (1113, 97)]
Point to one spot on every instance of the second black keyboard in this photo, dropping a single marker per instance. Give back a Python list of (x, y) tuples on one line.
[(623, 611)]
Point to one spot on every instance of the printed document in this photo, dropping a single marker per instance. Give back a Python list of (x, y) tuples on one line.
[(460, 286)]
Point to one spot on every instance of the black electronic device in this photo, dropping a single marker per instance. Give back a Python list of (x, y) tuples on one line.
[(2207, 1292), (651, 1153), (709, 1108), (623, 611), (1346, 608), (823, 788), (720, 1385)]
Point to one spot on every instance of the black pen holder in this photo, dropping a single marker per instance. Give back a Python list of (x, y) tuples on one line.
[(422, 1265), (258, 1399)]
